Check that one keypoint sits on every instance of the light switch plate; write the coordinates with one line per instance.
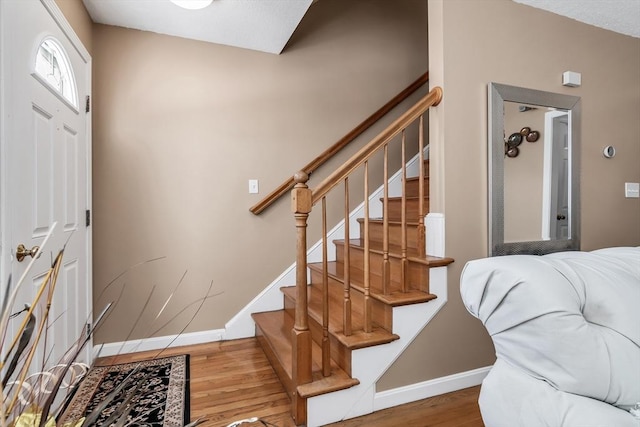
(632, 190)
(253, 186)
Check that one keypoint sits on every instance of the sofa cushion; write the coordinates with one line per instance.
(511, 398)
(571, 319)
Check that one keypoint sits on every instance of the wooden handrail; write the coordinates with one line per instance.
(431, 99)
(343, 142)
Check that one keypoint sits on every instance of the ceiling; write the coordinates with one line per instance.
(267, 25)
(263, 25)
(621, 16)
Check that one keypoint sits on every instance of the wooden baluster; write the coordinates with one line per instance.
(421, 213)
(367, 272)
(404, 266)
(326, 351)
(301, 335)
(386, 267)
(346, 319)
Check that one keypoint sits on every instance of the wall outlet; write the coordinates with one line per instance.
(632, 190)
(253, 186)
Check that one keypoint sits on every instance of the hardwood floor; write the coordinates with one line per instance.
(458, 409)
(232, 380)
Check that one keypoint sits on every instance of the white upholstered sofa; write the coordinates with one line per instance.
(566, 330)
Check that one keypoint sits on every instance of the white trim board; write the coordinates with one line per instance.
(157, 343)
(418, 391)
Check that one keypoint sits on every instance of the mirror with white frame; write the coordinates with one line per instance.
(534, 181)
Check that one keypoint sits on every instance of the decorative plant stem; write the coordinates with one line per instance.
(51, 281)
(25, 337)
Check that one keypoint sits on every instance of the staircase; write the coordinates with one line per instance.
(360, 298)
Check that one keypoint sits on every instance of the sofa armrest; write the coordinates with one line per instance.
(569, 319)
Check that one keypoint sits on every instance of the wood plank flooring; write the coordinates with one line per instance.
(232, 380)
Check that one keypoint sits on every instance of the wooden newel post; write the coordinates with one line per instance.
(301, 335)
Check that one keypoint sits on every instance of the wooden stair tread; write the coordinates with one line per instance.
(339, 380)
(391, 222)
(393, 299)
(276, 327)
(409, 198)
(416, 178)
(395, 252)
(358, 339)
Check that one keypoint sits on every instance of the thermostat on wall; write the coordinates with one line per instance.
(609, 151)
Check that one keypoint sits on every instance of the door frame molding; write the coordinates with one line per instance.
(5, 214)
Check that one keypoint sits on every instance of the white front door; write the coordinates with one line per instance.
(46, 164)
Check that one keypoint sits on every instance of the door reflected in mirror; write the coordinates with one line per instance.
(533, 182)
(555, 189)
(536, 175)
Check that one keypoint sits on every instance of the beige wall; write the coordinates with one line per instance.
(472, 43)
(179, 128)
(79, 19)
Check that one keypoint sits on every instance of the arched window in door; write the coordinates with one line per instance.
(54, 70)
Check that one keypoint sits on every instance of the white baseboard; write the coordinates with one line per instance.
(411, 393)
(157, 343)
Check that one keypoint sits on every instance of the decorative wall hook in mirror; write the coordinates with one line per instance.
(533, 198)
(512, 143)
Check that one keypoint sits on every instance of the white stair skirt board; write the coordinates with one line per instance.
(271, 298)
(369, 364)
(411, 393)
